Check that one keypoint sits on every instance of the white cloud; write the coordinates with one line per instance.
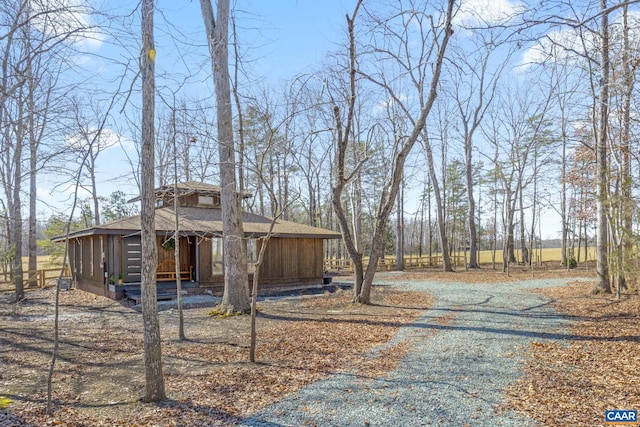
(105, 140)
(486, 12)
(44, 195)
(562, 45)
(388, 103)
(70, 189)
(569, 46)
(69, 20)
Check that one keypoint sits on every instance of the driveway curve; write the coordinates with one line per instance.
(464, 353)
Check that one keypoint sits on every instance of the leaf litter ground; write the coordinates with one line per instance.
(574, 383)
(99, 376)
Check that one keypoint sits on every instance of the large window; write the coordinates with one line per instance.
(217, 264)
(217, 261)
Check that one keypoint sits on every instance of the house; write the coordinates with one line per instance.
(106, 259)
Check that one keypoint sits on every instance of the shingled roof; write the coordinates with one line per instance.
(207, 222)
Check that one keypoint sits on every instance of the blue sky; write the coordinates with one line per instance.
(285, 38)
(297, 33)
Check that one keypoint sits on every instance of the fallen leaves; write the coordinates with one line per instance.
(568, 385)
(209, 381)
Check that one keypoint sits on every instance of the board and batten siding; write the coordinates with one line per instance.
(185, 252)
(204, 254)
(286, 261)
(291, 260)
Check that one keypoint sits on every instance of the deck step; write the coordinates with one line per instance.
(135, 295)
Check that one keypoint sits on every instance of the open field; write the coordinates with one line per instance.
(542, 255)
(547, 257)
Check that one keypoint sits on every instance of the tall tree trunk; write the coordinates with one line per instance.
(341, 179)
(32, 244)
(16, 226)
(534, 208)
(94, 189)
(235, 298)
(154, 380)
(473, 232)
(442, 230)
(602, 268)
(14, 203)
(32, 247)
(176, 235)
(524, 251)
(400, 229)
(626, 199)
(236, 97)
(563, 193)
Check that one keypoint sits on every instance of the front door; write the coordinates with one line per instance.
(132, 258)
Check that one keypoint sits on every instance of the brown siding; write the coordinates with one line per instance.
(98, 249)
(291, 260)
(192, 200)
(287, 261)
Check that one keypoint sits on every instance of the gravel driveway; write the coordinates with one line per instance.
(464, 353)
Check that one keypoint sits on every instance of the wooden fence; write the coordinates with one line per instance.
(42, 277)
(389, 263)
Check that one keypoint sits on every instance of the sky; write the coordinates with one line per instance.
(283, 37)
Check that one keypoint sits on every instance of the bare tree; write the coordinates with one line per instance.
(154, 380)
(602, 268)
(437, 186)
(90, 139)
(475, 79)
(235, 298)
(430, 54)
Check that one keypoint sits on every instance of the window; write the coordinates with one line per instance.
(217, 264)
(252, 254)
(217, 261)
(205, 200)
